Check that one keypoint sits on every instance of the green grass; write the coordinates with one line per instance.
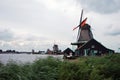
(86, 68)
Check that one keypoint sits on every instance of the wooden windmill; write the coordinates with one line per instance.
(84, 32)
(86, 44)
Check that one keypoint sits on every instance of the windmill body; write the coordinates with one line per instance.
(85, 33)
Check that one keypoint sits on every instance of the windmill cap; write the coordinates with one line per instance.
(86, 26)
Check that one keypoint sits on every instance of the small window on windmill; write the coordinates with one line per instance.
(93, 46)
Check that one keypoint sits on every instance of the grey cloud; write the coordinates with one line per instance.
(113, 33)
(6, 35)
(20, 11)
(101, 6)
(35, 38)
(9, 35)
(112, 30)
(30, 13)
(10, 40)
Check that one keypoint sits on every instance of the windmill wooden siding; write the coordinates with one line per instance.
(92, 48)
(85, 33)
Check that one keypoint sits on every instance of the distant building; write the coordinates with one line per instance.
(33, 51)
(49, 51)
(68, 53)
(56, 50)
(1, 51)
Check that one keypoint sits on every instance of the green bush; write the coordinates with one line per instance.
(86, 68)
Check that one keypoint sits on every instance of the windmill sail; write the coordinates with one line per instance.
(79, 26)
(83, 22)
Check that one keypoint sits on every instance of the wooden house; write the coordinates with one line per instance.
(68, 53)
(92, 48)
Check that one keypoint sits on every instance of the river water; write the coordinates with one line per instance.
(24, 58)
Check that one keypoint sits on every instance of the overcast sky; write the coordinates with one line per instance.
(38, 24)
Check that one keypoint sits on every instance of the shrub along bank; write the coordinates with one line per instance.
(85, 68)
